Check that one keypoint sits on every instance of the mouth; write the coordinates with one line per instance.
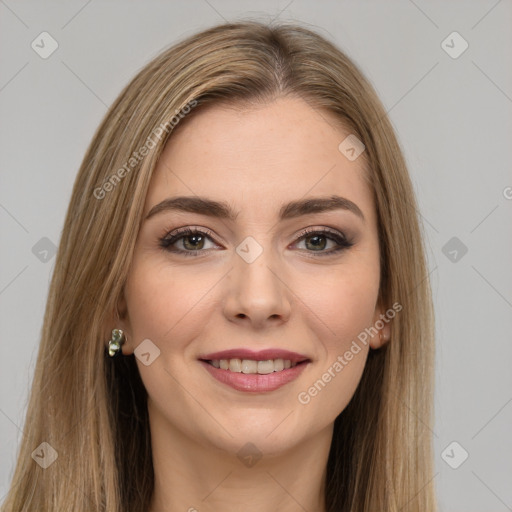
(263, 371)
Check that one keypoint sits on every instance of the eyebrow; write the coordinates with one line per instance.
(222, 210)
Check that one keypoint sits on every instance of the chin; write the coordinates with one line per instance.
(255, 443)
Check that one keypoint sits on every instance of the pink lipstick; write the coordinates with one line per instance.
(246, 370)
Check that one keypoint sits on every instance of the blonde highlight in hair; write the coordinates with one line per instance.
(92, 409)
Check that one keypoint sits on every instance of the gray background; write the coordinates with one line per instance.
(452, 116)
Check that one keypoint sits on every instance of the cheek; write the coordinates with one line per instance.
(340, 311)
(165, 304)
(341, 304)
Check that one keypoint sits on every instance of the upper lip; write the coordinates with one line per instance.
(262, 355)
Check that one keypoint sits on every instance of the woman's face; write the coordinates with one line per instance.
(253, 282)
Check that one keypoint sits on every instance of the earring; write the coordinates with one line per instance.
(114, 345)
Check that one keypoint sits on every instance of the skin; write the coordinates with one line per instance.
(290, 297)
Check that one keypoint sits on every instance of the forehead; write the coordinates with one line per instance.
(259, 158)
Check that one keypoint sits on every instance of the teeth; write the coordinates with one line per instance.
(278, 365)
(248, 366)
(251, 366)
(235, 365)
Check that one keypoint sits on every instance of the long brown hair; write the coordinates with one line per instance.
(84, 403)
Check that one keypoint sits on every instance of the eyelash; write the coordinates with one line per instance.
(169, 239)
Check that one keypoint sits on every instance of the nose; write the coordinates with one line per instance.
(257, 293)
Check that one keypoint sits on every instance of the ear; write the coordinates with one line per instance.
(121, 320)
(383, 325)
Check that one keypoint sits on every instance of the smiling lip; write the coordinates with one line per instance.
(262, 355)
(255, 382)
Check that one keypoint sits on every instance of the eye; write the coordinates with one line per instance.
(318, 241)
(193, 240)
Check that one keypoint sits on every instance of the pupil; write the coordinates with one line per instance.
(193, 237)
(316, 244)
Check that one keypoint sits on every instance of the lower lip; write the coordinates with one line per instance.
(254, 382)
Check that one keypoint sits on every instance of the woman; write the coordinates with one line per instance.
(288, 363)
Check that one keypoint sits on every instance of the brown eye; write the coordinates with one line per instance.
(192, 242)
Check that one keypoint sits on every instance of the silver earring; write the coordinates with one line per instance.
(114, 345)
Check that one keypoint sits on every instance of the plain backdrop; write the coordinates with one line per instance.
(451, 107)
